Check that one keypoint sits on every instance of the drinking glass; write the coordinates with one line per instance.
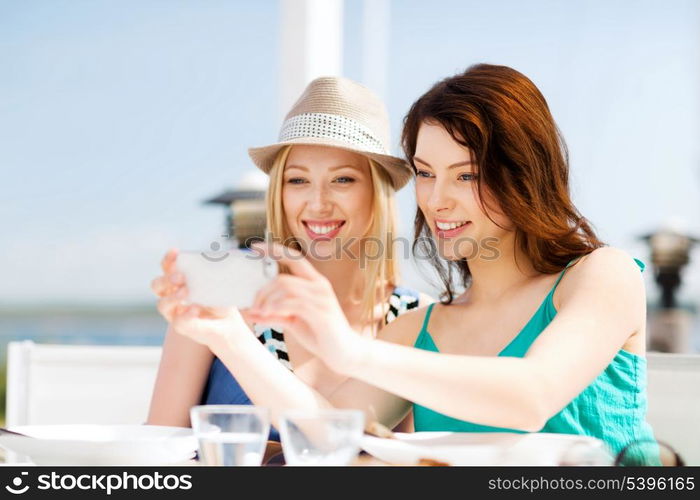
(321, 437)
(230, 434)
(649, 453)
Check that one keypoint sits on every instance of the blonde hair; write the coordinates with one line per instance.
(382, 266)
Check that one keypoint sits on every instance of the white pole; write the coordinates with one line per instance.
(311, 45)
(376, 24)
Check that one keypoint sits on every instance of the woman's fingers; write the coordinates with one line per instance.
(286, 323)
(190, 311)
(176, 278)
(180, 292)
(247, 315)
(183, 316)
(285, 284)
(166, 307)
(157, 286)
(168, 284)
(290, 257)
(194, 321)
(167, 264)
(171, 280)
(281, 306)
(216, 312)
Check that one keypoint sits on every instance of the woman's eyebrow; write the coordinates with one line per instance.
(338, 167)
(454, 165)
(289, 167)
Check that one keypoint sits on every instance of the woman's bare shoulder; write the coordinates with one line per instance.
(404, 329)
(606, 267)
(607, 260)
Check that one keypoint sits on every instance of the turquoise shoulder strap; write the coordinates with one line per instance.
(639, 263)
(426, 320)
(561, 275)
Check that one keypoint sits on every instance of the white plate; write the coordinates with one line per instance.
(486, 448)
(102, 444)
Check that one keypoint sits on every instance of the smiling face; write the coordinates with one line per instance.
(327, 195)
(447, 194)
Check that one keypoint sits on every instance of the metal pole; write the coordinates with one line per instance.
(311, 45)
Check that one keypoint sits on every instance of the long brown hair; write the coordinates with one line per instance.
(521, 157)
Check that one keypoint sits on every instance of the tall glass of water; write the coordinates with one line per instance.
(321, 437)
(230, 434)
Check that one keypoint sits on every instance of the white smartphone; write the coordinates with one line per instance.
(225, 278)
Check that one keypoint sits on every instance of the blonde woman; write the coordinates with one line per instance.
(331, 196)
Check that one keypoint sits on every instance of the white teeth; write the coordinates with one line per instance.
(446, 226)
(323, 229)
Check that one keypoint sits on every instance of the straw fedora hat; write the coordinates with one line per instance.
(338, 112)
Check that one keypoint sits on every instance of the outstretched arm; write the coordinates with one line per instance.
(269, 384)
(603, 306)
(196, 332)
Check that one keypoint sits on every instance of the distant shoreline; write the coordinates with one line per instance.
(82, 309)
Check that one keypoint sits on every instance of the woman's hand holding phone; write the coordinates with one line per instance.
(304, 304)
(210, 326)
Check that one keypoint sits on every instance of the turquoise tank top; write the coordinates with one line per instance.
(612, 408)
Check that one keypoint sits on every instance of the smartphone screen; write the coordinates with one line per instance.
(224, 279)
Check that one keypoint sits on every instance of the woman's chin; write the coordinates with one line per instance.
(320, 249)
(447, 250)
(450, 257)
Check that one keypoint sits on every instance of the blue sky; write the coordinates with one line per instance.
(117, 118)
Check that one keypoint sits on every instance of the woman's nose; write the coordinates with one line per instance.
(440, 198)
(320, 199)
